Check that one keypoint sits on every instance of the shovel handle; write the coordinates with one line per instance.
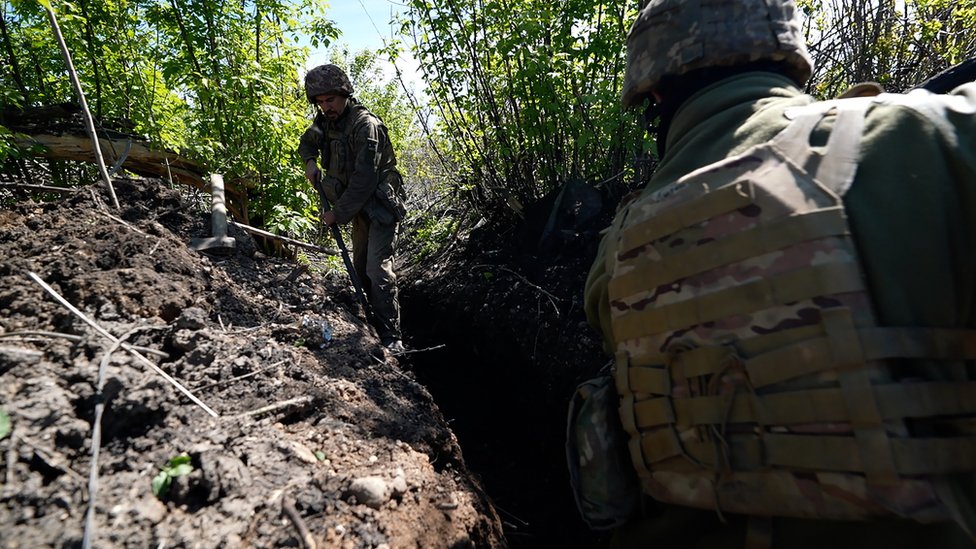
(343, 251)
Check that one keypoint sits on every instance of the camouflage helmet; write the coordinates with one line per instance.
(673, 37)
(326, 79)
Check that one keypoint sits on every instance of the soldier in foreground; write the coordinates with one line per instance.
(362, 184)
(790, 304)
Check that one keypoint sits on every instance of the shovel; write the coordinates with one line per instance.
(218, 243)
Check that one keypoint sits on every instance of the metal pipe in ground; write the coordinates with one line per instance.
(219, 242)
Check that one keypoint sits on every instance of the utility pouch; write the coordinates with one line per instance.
(332, 188)
(390, 194)
(605, 485)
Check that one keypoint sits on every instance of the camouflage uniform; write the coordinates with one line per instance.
(363, 185)
(908, 213)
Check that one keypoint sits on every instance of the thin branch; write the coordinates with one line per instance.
(413, 351)
(45, 188)
(75, 338)
(288, 509)
(299, 243)
(125, 346)
(552, 299)
(275, 407)
(96, 439)
(89, 123)
(238, 378)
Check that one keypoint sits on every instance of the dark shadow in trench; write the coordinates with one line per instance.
(511, 435)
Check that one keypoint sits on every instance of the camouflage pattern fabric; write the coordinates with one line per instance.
(364, 187)
(604, 483)
(908, 193)
(673, 37)
(326, 79)
(754, 253)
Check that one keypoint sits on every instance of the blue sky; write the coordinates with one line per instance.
(366, 24)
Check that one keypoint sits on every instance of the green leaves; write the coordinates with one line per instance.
(529, 91)
(4, 424)
(177, 466)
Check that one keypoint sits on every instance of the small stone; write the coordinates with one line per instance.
(399, 484)
(191, 318)
(370, 491)
(149, 509)
(302, 452)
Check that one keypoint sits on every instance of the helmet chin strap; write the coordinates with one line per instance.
(657, 125)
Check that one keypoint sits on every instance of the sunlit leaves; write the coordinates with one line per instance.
(529, 90)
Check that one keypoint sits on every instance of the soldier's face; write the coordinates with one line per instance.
(331, 105)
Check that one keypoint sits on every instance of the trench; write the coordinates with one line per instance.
(508, 418)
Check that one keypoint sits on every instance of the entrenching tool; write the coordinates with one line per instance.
(219, 242)
(337, 235)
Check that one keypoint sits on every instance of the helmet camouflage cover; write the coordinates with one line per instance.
(326, 79)
(673, 37)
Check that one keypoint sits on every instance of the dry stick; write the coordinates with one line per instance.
(299, 243)
(552, 299)
(238, 378)
(12, 459)
(89, 123)
(75, 338)
(123, 222)
(289, 509)
(276, 407)
(47, 188)
(412, 351)
(96, 440)
(125, 346)
(52, 460)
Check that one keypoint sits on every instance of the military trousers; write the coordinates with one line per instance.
(372, 244)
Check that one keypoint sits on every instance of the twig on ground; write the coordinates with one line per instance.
(96, 438)
(42, 333)
(12, 459)
(52, 460)
(299, 243)
(288, 508)
(552, 299)
(46, 188)
(125, 346)
(122, 222)
(412, 351)
(238, 378)
(278, 406)
(76, 338)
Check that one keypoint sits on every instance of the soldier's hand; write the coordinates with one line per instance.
(328, 218)
(312, 172)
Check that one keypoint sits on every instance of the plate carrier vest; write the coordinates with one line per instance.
(752, 374)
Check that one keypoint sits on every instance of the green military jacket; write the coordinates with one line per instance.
(359, 164)
(911, 211)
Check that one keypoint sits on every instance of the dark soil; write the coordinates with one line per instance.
(329, 436)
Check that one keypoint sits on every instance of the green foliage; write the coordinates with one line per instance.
(432, 232)
(216, 80)
(4, 424)
(529, 92)
(177, 466)
(897, 44)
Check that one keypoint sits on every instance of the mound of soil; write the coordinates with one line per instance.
(300, 430)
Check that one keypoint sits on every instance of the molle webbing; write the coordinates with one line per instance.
(748, 357)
